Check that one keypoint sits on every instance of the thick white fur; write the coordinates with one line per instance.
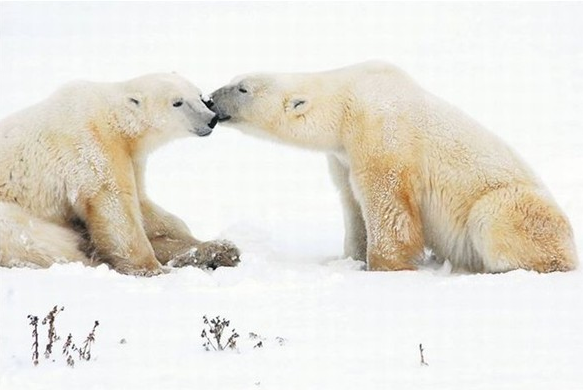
(72, 174)
(412, 170)
(28, 241)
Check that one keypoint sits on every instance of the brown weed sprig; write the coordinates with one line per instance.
(216, 327)
(69, 347)
(34, 324)
(423, 362)
(85, 350)
(52, 332)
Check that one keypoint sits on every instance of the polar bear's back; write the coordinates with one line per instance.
(42, 147)
(455, 142)
(63, 111)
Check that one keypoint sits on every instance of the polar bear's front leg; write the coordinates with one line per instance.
(167, 233)
(175, 246)
(394, 232)
(354, 227)
(114, 223)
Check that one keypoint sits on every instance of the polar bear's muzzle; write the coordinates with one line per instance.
(222, 115)
(203, 133)
(208, 103)
(221, 103)
(224, 118)
(202, 119)
(209, 127)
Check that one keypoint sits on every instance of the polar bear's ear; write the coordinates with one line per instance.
(132, 117)
(297, 105)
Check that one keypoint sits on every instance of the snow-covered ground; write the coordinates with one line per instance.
(517, 68)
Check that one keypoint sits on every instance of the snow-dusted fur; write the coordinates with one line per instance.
(413, 171)
(72, 176)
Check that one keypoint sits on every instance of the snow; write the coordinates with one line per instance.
(343, 328)
(516, 68)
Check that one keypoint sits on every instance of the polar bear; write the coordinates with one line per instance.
(72, 177)
(413, 171)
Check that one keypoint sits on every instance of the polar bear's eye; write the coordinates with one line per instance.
(298, 103)
(242, 90)
(177, 103)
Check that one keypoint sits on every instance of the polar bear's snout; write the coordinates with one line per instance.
(210, 125)
(221, 103)
(202, 120)
(208, 103)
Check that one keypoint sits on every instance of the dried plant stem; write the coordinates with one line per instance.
(216, 328)
(208, 341)
(67, 348)
(423, 362)
(34, 324)
(85, 350)
(232, 341)
(52, 332)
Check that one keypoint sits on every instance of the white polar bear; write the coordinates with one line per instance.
(413, 171)
(72, 177)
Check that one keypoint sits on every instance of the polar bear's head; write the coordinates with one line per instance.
(301, 109)
(165, 106)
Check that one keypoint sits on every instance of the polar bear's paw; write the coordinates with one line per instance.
(147, 273)
(147, 270)
(210, 254)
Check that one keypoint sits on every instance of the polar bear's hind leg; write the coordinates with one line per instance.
(515, 228)
(27, 241)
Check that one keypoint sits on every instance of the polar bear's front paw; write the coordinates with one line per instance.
(211, 254)
(147, 270)
(147, 273)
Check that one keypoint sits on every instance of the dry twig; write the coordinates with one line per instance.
(34, 324)
(423, 362)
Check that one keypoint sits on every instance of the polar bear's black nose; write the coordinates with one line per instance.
(208, 103)
(213, 122)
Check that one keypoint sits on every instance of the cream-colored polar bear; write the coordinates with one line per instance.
(72, 177)
(413, 171)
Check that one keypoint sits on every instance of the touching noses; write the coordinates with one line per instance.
(213, 121)
(209, 104)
